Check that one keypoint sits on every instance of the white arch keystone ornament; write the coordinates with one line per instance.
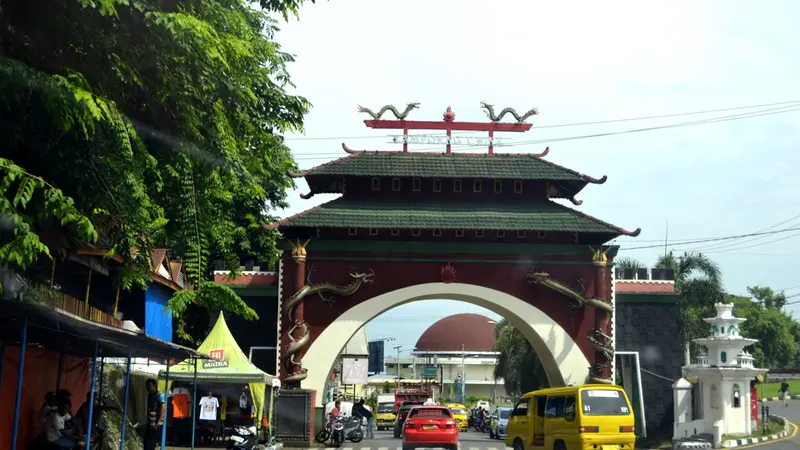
(563, 360)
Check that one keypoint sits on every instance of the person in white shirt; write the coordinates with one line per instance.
(208, 407)
(54, 428)
(49, 406)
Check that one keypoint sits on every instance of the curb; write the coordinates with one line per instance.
(775, 399)
(787, 430)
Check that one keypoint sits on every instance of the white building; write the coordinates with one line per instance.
(456, 345)
(719, 402)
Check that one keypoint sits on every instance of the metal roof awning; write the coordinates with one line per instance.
(57, 330)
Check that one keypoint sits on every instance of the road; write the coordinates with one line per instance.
(466, 441)
(792, 412)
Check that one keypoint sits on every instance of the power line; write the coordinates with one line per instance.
(714, 239)
(578, 124)
(761, 113)
(716, 247)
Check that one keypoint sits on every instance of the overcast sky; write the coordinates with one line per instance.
(582, 62)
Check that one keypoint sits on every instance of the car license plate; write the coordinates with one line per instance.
(429, 427)
(610, 447)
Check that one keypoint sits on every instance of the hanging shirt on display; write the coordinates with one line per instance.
(208, 408)
(180, 403)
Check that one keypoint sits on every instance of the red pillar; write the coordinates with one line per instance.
(602, 291)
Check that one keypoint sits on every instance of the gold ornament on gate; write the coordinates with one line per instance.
(299, 250)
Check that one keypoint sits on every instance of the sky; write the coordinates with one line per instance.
(582, 61)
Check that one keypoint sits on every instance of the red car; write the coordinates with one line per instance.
(430, 426)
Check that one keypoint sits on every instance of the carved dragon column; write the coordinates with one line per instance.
(602, 319)
(297, 330)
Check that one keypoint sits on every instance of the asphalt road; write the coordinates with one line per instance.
(792, 412)
(469, 440)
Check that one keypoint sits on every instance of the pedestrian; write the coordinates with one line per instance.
(364, 412)
(156, 413)
(784, 391)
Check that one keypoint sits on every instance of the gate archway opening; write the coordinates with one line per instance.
(562, 359)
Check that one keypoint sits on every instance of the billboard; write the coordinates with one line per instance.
(354, 371)
(376, 357)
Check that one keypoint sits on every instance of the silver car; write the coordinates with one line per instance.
(498, 427)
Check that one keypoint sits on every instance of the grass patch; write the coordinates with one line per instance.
(771, 389)
(773, 427)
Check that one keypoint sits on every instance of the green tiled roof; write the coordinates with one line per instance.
(454, 165)
(539, 216)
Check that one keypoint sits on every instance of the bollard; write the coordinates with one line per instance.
(763, 419)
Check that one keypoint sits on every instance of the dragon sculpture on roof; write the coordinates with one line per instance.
(498, 117)
(297, 344)
(390, 108)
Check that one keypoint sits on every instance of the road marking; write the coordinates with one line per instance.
(474, 448)
(383, 448)
(789, 436)
(365, 448)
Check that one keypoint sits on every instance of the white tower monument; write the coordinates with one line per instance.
(723, 381)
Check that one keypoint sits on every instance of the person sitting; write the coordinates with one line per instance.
(336, 412)
(55, 430)
(50, 405)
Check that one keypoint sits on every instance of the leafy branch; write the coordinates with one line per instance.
(20, 244)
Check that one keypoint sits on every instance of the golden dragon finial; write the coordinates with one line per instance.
(599, 256)
(299, 250)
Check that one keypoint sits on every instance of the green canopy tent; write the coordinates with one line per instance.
(228, 365)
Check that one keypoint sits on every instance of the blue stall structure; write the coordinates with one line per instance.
(28, 324)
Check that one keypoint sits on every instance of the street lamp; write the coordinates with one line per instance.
(397, 361)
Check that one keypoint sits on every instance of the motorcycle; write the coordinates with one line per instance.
(353, 431)
(243, 438)
(481, 425)
(334, 430)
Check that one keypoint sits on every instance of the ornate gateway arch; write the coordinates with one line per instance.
(480, 227)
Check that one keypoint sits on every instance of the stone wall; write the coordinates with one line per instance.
(648, 324)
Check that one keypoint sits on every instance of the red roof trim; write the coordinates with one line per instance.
(644, 287)
(623, 231)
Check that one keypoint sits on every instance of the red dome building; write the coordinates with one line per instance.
(447, 336)
(441, 346)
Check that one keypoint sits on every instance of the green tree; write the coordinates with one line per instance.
(626, 262)
(518, 364)
(777, 332)
(698, 282)
(767, 297)
(159, 124)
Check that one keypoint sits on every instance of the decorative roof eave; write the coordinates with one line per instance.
(275, 225)
(355, 153)
(619, 230)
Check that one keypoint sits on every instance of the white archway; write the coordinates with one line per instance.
(561, 357)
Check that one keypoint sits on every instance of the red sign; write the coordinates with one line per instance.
(219, 355)
(754, 404)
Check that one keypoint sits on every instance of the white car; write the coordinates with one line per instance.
(483, 404)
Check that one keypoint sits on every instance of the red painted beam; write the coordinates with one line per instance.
(455, 126)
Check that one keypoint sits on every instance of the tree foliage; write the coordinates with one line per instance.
(698, 282)
(166, 114)
(518, 364)
(777, 332)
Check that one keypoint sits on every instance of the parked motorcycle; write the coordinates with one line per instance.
(243, 438)
(333, 430)
(353, 431)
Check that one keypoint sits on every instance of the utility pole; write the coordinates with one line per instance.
(463, 376)
(397, 362)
